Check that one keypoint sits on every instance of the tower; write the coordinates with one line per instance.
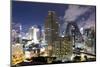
(51, 30)
(73, 31)
(33, 34)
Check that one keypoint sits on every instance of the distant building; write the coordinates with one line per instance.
(90, 40)
(33, 34)
(43, 41)
(16, 33)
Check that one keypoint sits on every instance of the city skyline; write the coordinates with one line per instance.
(32, 13)
(53, 33)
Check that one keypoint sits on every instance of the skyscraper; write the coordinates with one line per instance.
(63, 49)
(59, 47)
(73, 31)
(33, 34)
(51, 29)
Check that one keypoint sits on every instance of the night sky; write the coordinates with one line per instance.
(30, 13)
(33, 13)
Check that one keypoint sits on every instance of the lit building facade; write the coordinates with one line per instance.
(59, 47)
(51, 30)
(33, 34)
(63, 49)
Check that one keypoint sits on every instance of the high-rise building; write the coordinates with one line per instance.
(90, 38)
(51, 27)
(51, 30)
(33, 34)
(43, 35)
(63, 49)
(59, 47)
(73, 31)
(17, 33)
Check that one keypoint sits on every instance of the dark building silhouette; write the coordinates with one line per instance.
(73, 32)
(90, 40)
(72, 29)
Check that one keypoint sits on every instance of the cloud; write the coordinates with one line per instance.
(84, 16)
(74, 11)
